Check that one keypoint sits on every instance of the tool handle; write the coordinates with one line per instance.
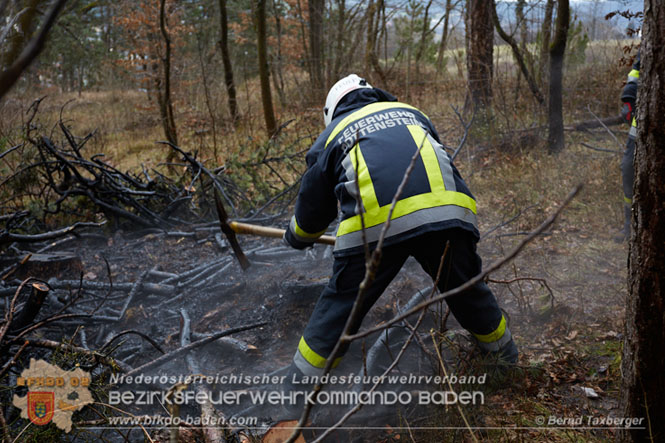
(265, 231)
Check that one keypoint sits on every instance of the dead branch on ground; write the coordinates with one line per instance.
(196, 344)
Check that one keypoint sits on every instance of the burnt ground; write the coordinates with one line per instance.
(563, 296)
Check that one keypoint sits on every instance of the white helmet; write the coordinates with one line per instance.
(338, 91)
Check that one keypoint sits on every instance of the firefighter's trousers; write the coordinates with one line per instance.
(476, 309)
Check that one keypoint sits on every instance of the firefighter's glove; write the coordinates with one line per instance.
(290, 240)
(627, 112)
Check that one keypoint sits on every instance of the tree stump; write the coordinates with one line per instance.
(44, 266)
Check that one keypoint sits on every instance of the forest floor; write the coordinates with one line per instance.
(564, 296)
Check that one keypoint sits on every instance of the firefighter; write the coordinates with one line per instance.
(628, 98)
(358, 162)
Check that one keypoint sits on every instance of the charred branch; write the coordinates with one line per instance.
(96, 356)
(196, 344)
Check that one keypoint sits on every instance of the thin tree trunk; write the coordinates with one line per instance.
(166, 104)
(423, 39)
(521, 24)
(480, 50)
(371, 59)
(643, 390)
(444, 39)
(208, 99)
(409, 47)
(555, 137)
(264, 71)
(303, 38)
(316, 9)
(226, 60)
(278, 79)
(371, 35)
(339, 44)
(546, 33)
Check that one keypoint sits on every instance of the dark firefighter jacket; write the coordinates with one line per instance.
(629, 96)
(360, 160)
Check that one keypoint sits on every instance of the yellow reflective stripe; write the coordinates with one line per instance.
(634, 123)
(634, 73)
(495, 335)
(375, 215)
(407, 206)
(428, 156)
(367, 193)
(364, 112)
(312, 357)
(300, 233)
(627, 200)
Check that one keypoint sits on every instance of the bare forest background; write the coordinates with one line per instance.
(126, 116)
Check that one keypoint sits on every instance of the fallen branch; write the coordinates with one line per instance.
(595, 123)
(13, 360)
(205, 170)
(44, 322)
(613, 151)
(211, 434)
(507, 222)
(8, 237)
(542, 281)
(606, 128)
(5, 429)
(153, 288)
(467, 128)
(98, 357)
(137, 285)
(131, 331)
(196, 344)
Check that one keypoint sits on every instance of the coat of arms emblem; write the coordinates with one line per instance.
(41, 406)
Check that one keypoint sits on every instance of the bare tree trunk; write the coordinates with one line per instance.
(546, 32)
(277, 77)
(480, 50)
(444, 39)
(424, 33)
(409, 47)
(371, 35)
(208, 99)
(555, 137)
(339, 44)
(226, 60)
(303, 37)
(316, 10)
(264, 72)
(371, 59)
(521, 24)
(165, 102)
(643, 391)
